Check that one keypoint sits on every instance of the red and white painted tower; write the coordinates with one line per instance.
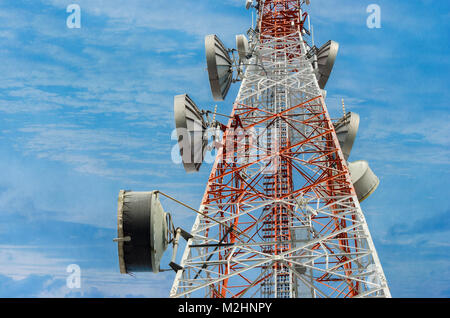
(289, 220)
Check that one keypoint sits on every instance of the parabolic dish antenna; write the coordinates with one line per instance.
(346, 130)
(219, 67)
(191, 131)
(142, 232)
(326, 57)
(242, 47)
(363, 178)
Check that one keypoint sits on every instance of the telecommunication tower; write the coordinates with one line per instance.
(281, 214)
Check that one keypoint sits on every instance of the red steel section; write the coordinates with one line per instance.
(279, 19)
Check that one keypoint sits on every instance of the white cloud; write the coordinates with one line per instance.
(88, 150)
(183, 16)
(20, 262)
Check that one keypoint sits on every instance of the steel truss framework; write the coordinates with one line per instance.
(298, 228)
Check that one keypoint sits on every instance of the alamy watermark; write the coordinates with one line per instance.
(73, 281)
(374, 18)
(74, 19)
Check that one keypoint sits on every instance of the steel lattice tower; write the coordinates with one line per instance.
(285, 187)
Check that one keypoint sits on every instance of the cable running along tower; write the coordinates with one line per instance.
(281, 214)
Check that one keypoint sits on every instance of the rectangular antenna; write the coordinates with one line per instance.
(253, 25)
(309, 23)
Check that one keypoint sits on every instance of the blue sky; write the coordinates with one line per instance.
(87, 112)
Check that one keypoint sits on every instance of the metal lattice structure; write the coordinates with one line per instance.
(284, 187)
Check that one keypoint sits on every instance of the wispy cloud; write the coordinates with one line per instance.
(27, 273)
(434, 223)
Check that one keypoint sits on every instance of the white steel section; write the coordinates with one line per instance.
(201, 265)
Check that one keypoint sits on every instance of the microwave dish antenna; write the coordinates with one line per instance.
(191, 132)
(346, 130)
(242, 46)
(364, 179)
(145, 231)
(326, 56)
(142, 232)
(220, 67)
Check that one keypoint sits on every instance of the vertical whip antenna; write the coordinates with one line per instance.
(214, 116)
